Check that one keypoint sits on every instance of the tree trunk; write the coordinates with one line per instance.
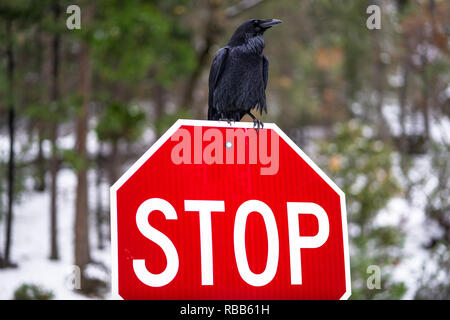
(54, 166)
(40, 183)
(99, 210)
(426, 97)
(188, 98)
(378, 83)
(402, 103)
(82, 253)
(11, 166)
(114, 162)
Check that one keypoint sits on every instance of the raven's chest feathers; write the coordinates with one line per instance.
(241, 86)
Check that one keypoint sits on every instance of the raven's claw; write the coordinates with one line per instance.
(258, 124)
(228, 120)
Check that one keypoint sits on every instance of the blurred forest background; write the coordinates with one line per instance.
(371, 107)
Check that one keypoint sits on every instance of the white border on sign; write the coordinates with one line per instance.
(208, 123)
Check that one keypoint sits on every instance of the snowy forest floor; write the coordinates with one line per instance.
(31, 243)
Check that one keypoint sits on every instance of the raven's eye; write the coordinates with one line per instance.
(255, 22)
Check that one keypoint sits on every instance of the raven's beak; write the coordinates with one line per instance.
(266, 24)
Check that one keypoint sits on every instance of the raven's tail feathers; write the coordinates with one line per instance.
(213, 114)
(261, 107)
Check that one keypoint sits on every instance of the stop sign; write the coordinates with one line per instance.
(213, 211)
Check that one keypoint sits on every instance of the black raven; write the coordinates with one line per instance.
(238, 76)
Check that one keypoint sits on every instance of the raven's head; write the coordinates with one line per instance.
(254, 28)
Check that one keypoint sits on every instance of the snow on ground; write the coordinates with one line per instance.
(31, 243)
(410, 219)
(410, 215)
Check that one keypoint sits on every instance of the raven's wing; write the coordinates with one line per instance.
(265, 74)
(265, 70)
(216, 71)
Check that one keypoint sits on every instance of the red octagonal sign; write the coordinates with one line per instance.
(213, 211)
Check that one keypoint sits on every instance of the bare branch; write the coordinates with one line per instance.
(240, 7)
